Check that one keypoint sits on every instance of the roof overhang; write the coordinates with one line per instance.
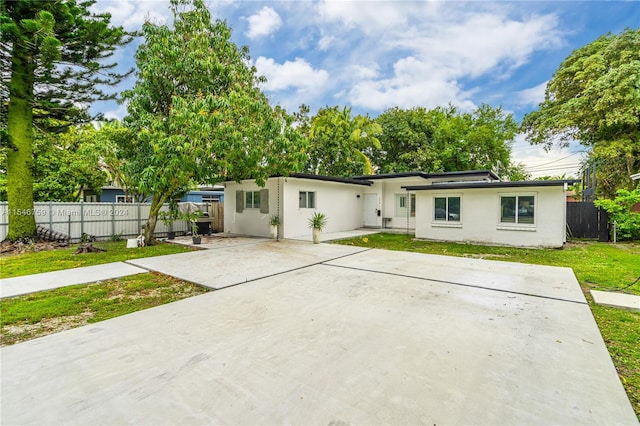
(479, 174)
(330, 179)
(485, 185)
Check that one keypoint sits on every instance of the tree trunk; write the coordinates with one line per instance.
(156, 205)
(22, 223)
(85, 248)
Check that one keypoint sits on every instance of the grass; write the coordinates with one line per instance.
(39, 314)
(600, 266)
(54, 260)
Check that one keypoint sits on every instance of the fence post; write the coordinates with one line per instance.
(603, 225)
(81, 218)
(113, 219)
(139, 219)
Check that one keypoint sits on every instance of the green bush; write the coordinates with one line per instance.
(619, 209)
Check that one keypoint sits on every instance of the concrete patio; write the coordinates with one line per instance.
(327, 334)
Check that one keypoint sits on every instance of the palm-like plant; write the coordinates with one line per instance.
(341, 140)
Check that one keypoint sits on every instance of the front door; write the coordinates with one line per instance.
(371, 210)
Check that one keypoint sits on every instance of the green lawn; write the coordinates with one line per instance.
(600, 266)
(35, 315)
(55, 260)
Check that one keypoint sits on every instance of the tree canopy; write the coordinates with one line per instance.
(594, 98)
(197, 113)
(340, 144)
(445, 140)
(53, 57)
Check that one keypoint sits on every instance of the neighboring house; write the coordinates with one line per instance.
(572, 197)
(472, 206)
(205, 194)
(114, 194)
(109, 194)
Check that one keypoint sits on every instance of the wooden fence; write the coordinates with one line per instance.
(216, 214)
(585, 220)
(102, 220)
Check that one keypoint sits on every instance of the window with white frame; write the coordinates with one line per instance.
(124, 199)
(252, 200)
(446, 208)
(517, 209)
(307, 200)
(210, 198)
(405, 205)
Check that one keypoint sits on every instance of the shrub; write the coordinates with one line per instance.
(619, 210)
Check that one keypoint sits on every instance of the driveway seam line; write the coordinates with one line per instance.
(284, 272)
(459, 284)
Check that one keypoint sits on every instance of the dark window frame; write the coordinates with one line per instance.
(448, 212)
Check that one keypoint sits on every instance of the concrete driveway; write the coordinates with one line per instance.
(327, 334)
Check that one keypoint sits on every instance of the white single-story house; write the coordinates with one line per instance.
(469, 206)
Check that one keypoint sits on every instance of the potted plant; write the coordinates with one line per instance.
(274, 222)
(316, 222)
(192, 217)
(168, 217)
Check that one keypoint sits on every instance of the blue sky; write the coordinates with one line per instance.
(373, 55)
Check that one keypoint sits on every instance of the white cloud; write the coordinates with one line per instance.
(414, 83)
(263, 23)
(482, 42)
(298, 74)
(359, 72)
(131, 14)
(325, 42)
(532, 96)
(366, 16)
(118, 112)
(441, 52)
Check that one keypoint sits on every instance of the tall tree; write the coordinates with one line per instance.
(53, 56)
(198, 114)
(594, 98)
(67, 163)
(404, 132)
(341, 144)
(445, 139)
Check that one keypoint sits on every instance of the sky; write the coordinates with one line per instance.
(374, 55)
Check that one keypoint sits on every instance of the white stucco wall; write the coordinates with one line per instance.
(250, 221)
(387, 190)
(341, 203)
(480, 217)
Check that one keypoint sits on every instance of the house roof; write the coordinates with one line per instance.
(331, 179)
(464, 185)
(438, 175)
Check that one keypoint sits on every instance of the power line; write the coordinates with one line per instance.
(555, 161)
(555, 166)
